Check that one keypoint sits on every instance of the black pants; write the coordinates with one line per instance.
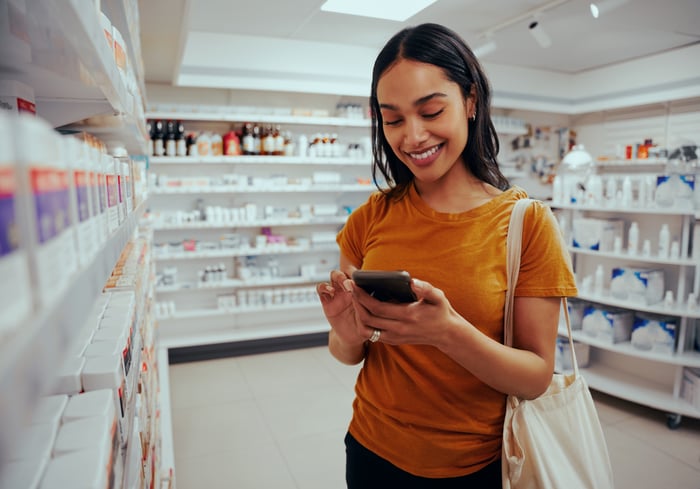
(365, 470)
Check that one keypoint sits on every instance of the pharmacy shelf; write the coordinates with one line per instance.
(636, 164)
(74, 75)
(661, 211)
(693, 262)
(257, 160)
(636, 389)
(605, 298)
(30, 357)
(239, 284)
(221, 312)
(199, 338)
(321, 220)
(236, 189)
(689, 359)
(232, 253)
(124, 16)
(259, 118)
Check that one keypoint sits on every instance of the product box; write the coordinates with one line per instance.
(690, 388)
(576, 308)
(607, 324)
(562, 355)
(654, 333)
(675, 190)
(643, 285)
(17, 97)
(596, 234)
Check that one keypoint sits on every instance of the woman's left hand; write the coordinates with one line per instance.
(425, 321)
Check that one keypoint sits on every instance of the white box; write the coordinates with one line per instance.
(654, 333)
(690, 390)
(562, 357)
(17, 97)
(643, 285)
(596, 234)
(576, 308)
(607, 324)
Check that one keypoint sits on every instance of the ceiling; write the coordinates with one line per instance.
(206, 34)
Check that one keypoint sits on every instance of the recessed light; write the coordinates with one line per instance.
(398, 10)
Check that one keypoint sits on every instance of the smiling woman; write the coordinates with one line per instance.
(431, 393)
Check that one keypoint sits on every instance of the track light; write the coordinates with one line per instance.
(598, 8)
(487, 47)
(539, 34)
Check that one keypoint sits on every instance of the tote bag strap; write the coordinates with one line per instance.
(513, 252)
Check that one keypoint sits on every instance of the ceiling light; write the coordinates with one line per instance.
(539, 34)
(398, 10)
(598, 8)
(485, 48)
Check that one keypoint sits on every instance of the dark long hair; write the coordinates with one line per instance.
(439, 46)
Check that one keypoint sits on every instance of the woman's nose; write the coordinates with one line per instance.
(415, 131)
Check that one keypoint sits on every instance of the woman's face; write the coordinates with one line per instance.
(424, 118)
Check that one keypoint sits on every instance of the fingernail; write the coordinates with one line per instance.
(347, 285)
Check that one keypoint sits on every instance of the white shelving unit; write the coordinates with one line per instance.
(621, 369)
(64, 58)
(199, 317)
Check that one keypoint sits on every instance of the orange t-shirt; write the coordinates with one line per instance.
(415, 406)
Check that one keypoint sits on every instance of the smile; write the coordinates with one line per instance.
(427, 153)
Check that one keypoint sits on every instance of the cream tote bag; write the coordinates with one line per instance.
(555, 441)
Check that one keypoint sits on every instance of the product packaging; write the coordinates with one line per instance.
(44, 187)
(15, 295)
(608, 324)
(597, 234)
(654, 333)
(675, 190)
(642, 285)
(690, 388)
(562, 357)
(17, 97)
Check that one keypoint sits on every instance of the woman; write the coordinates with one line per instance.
(430, 397)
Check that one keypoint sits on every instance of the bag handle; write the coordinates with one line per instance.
(513, 253)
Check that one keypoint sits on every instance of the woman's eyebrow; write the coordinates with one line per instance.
(418, 102)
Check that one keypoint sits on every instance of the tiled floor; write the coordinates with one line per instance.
(277, 421)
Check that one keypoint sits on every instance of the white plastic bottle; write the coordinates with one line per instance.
(664, 241)
(633, 239)
(626, 192)
(598, 280)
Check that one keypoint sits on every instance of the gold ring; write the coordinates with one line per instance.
(375, 335)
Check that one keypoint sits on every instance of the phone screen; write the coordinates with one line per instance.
(388, 286)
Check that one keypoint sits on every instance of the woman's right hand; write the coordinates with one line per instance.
(338, 308)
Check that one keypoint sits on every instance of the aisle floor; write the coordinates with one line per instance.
(277, 421)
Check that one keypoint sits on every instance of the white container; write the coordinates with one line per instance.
(44, 185)
(80, 202)
(68, 377)
(654, 333)
(86, 469)
(642, 285)
(596, 234)
(633, 239)
(17, 97)
(607, 324)
(562, 356)
(664, 241)
(15, 295)
(112, 189)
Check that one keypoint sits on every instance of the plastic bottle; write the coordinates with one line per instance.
(664, 241)
(633, 239)
(598, 280)
(626, 192)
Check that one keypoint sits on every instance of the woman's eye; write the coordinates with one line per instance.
(392, 123)
(433, 115)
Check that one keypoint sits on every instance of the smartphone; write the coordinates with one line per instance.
(388, 286)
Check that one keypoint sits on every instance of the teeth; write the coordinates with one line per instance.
(425, 154)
